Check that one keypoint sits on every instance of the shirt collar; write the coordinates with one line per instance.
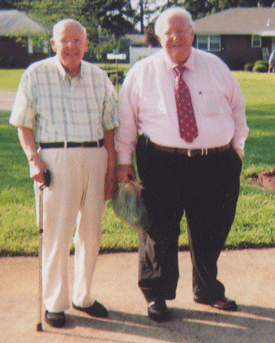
(62, 72)
(189, 64)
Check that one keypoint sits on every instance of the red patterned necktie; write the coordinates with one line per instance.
(186, 116)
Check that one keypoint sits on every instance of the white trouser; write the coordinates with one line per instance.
(74, 202)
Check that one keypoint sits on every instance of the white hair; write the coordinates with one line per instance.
(169, 13)
(60, 24)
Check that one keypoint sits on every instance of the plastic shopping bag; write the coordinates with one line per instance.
(129, 206)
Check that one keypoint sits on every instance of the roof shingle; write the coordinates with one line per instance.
(14, 22)
(250, 20)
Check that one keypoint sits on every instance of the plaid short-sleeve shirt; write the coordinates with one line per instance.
(60, 108)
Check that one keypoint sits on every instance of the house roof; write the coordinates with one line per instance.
(14, 23)
(135, 39)
(250, 20)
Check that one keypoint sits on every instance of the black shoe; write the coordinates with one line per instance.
(224, 303)
(158, 311)
(55, 319)
(96, 310)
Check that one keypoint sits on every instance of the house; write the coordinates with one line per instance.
(138, 48)
(18, 39)
(237, 35)
(135, 39)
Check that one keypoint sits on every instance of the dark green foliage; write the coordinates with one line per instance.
(236, 64)
(12, 62)
(111, 16)
(260, 68)
(261, 63)
(248, 66)
(2, 62)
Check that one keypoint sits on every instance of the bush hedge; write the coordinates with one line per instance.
(260, 62)
(248, 66)
(236, 64)
(260, 68)
(112, 76)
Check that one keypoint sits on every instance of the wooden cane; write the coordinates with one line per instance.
(47, 177)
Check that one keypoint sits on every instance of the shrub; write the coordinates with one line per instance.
(260, 62)
(120, 75)
(2, 62)
(110, 72)
(260, 68)
(248, 66)
(140, 57)
(236, 64)
(12, 62)
(113, 78)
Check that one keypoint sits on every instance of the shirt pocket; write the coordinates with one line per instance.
(210, 103)
(215, 103)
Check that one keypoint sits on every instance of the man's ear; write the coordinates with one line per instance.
(86, 45)
(193, 35)
(52, 41)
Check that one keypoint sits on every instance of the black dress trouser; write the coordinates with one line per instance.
(206, 189)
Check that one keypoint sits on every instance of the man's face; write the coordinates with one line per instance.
(70, 45)
(176, 38)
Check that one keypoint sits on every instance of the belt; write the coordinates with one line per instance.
(97, 144)
(192, 152)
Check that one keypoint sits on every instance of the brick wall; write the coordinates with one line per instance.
(239, 47)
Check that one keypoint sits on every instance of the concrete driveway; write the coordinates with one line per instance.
(248, 275)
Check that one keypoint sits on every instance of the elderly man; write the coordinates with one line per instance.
(184, 113)
(68, 106)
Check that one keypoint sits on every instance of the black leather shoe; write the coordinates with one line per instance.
(55, 319)
(158, 311)
(96, 310)
(224, 303)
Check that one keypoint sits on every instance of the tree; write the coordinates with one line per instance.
(201, 8)
(198, 8)
(150, 37)
(144, 11)
(6, 5)
(111, 15)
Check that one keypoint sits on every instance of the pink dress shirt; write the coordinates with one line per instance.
(147, 104)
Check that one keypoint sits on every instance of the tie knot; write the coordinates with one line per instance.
(179, 70)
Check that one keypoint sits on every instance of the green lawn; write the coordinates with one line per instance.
(9, 79)
(254, 225)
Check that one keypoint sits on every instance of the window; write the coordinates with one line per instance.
(256, 42)
(202, 42)
(209, 43)
(215, 43)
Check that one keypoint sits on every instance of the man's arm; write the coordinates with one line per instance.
(127, 132)
(36, 165)
(239, 117)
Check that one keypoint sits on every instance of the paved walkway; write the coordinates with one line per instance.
(248, 275)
